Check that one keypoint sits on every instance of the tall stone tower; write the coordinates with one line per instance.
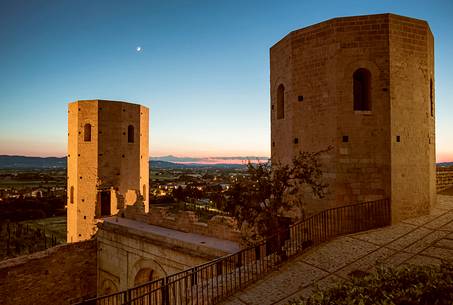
(107, 162)
(365, 86)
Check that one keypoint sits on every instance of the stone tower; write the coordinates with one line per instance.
(365, 86)
(107, 162)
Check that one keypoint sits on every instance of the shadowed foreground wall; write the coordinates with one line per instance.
(53, 276)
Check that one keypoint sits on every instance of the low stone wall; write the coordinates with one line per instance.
(53, 276)
(444, 178)
(222, 227)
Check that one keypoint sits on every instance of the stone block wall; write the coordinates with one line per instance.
(383, 150)
(112, 160)
(444, 178)
(54, 276)
(222, 227)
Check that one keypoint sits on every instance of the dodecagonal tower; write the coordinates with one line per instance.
(107, 162)
(365, 86)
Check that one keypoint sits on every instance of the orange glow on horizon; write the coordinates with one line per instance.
(444, 157)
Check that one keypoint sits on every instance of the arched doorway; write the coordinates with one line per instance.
(144, 275)
(145, 270)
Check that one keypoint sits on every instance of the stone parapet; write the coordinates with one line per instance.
(444, 178)
(53, 276)
(222, 227)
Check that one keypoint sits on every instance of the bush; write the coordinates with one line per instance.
(409, 285)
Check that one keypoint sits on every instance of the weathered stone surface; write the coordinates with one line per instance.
(114, 160)
(444, 178)
(387, 151)
(127, 248)
(53, 276)
(222, 227)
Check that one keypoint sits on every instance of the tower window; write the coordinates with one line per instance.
(71, 195)
(280, 102)
(345, 139)
(130, 134)
(87, 133)
(431, 95)
(362, 89)
(296, 140)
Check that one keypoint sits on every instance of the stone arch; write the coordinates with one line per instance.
(143, 270)
(87, 132)
(108, 287)
(375, 75)
(274, 86)
(144, 275)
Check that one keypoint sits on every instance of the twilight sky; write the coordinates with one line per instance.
(202, 67)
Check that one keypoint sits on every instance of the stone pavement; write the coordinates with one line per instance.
(422, 240)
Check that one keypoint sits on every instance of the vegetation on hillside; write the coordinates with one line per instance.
(409, 285)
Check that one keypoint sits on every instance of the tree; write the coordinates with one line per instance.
(260, 199)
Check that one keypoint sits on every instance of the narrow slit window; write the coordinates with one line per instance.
(431, 96)
(280, 102)
(87, 133)
(130, 134)
(362, 89)
(71, 195)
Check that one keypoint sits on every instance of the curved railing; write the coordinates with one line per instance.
(213, 281)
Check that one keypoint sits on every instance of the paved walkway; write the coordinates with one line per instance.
(423, 240)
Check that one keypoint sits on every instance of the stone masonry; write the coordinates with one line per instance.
(107, 162)
(364, 86)
(132, 252)
(422, 240)
(444, 178)
(53, 276)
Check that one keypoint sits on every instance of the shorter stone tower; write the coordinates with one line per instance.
(107, 162)
(363, 85)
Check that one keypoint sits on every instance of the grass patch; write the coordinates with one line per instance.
(55, 226)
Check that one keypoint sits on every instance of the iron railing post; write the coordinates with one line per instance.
(165, 295)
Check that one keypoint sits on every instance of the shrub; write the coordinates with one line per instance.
(408, 285)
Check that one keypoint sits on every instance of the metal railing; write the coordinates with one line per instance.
(213, 281)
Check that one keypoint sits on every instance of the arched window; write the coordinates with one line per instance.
(71, 195)
(130, 134)
(362, 89)
(280, 102)
(87, 133)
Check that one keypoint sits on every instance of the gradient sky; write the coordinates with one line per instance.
(203, 69)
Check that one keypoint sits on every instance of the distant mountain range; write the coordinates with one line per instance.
(17, 162)
(166, 162)
(210, 160)
(22, 162)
